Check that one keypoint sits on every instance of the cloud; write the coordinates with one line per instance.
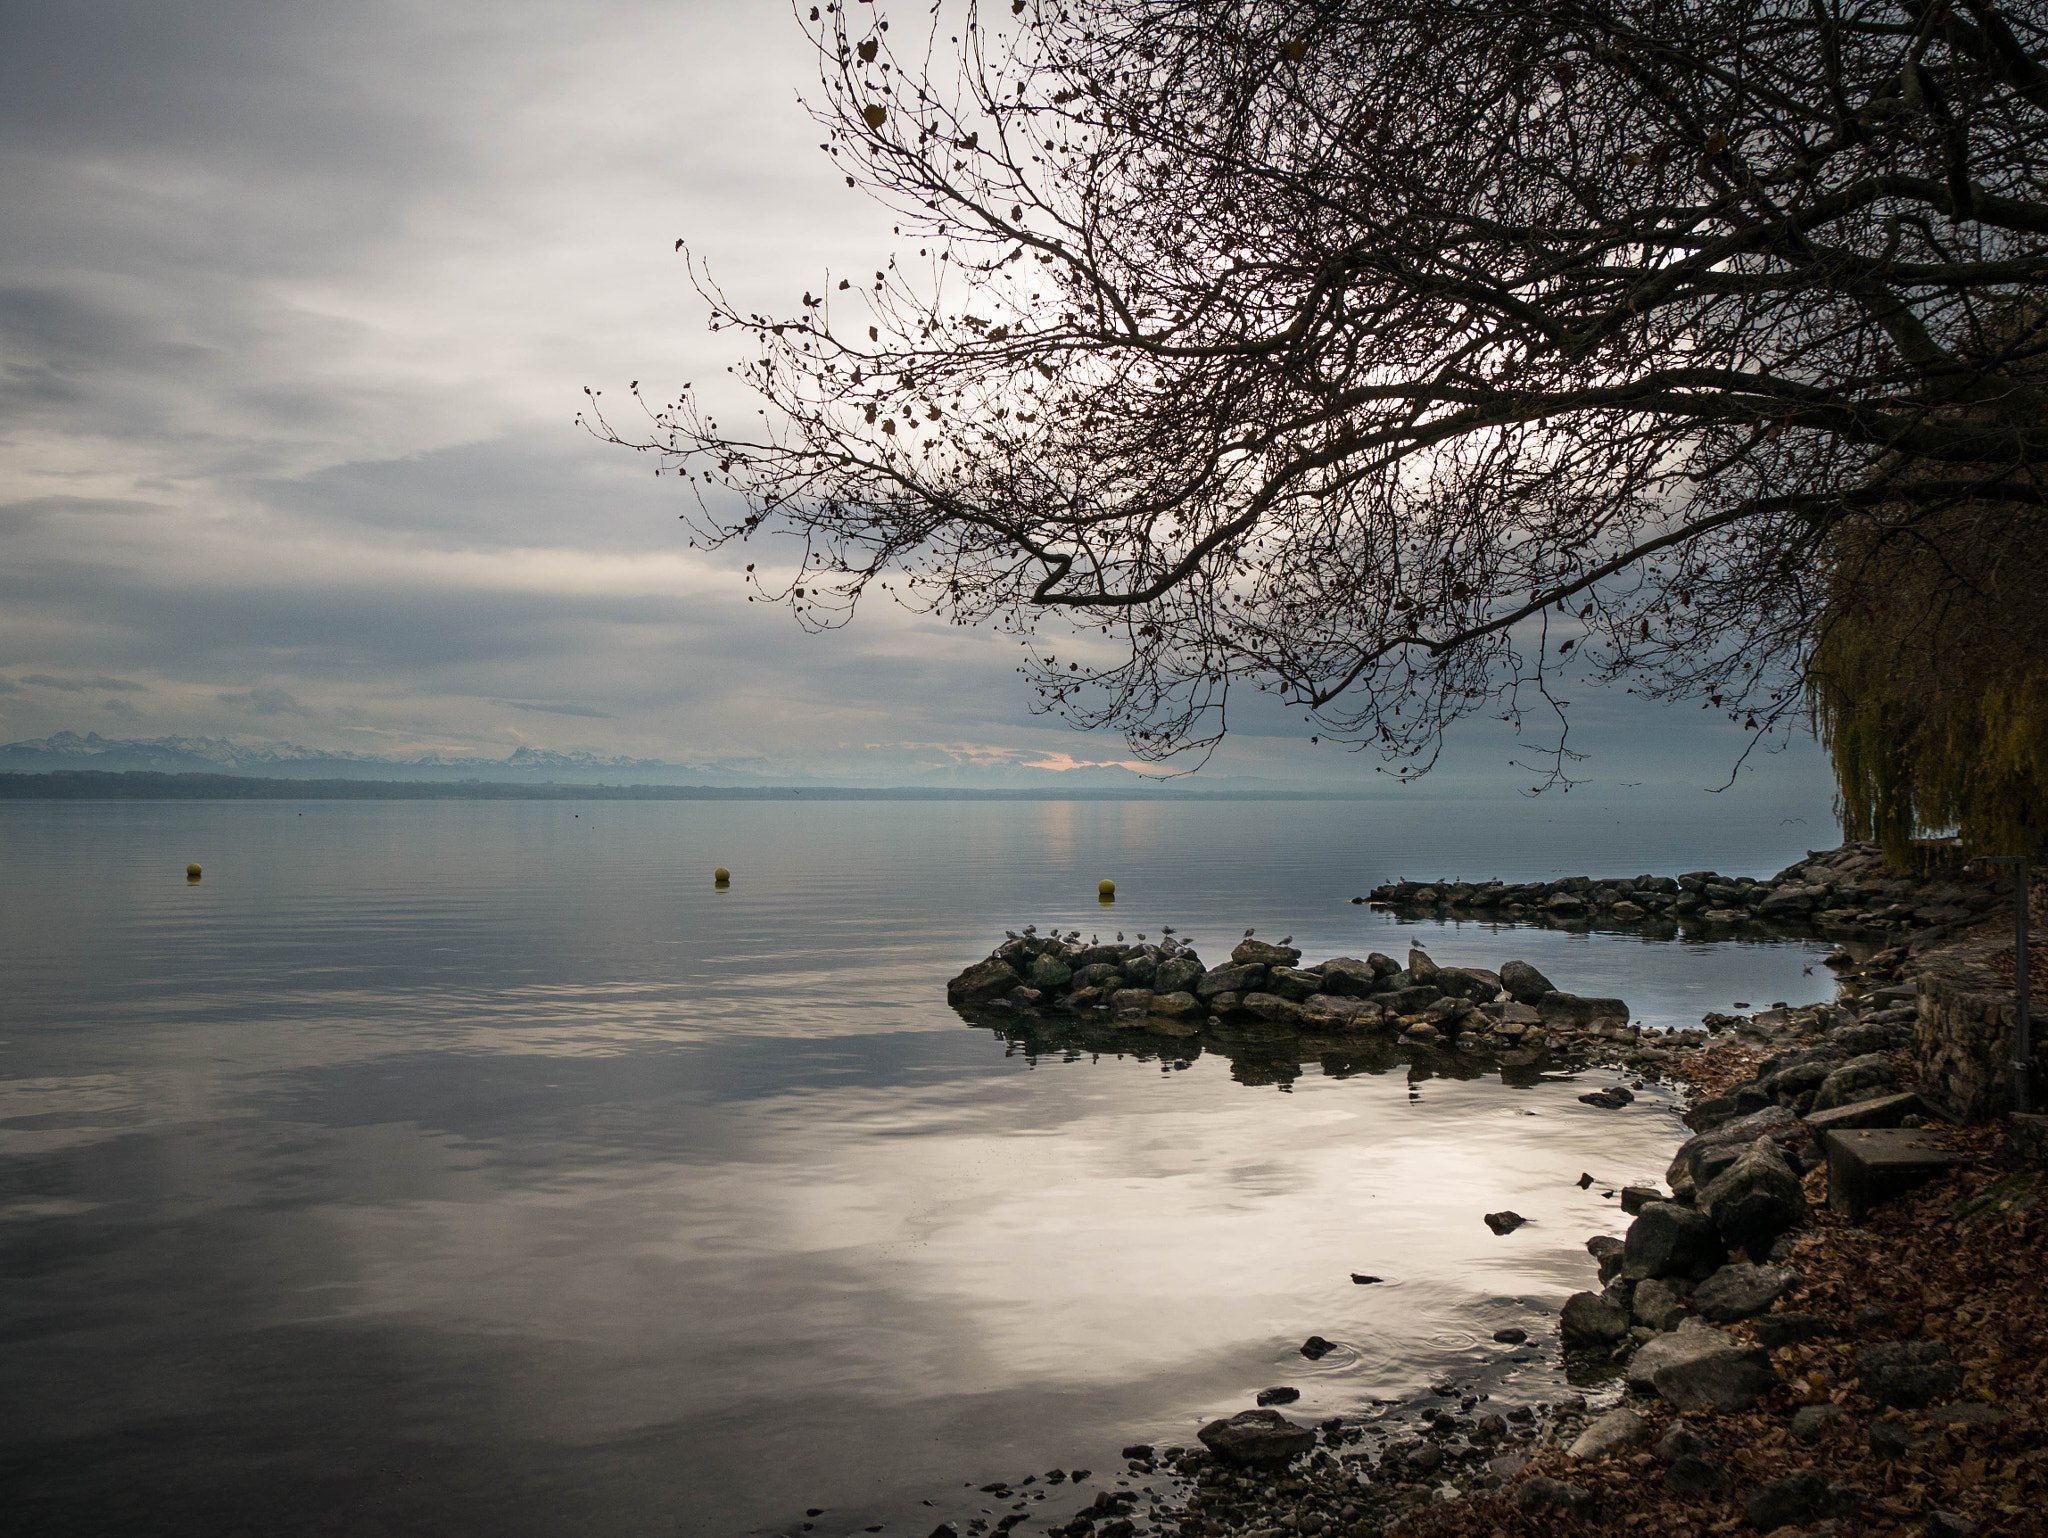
(561, 710)
(84, 685)
(265, 702)
(122, 709)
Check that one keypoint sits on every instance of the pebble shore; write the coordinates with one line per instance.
(1744, 1381)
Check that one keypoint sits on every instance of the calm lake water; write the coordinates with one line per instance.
(443, 1167)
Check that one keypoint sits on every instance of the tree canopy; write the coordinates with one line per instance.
(1397, 358)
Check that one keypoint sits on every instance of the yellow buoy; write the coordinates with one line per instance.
(1106, 890)
(721, 875)
(191, 873)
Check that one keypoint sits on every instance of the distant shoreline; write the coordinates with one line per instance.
(153, 785)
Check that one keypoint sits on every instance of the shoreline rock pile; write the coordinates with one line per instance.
(1141, 984)
(1846, 889)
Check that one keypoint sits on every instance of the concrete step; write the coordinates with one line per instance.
(1869, 1167)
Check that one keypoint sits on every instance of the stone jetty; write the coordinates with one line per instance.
(1419, 1001)
(1846, 889)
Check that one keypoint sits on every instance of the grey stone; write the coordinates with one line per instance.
(1504, 1222)
(1049, 973)
(1742, 1291)
(1949, 1524)
(1657, 1305)
(1774, 1331)
(1507, 1466)
(1569, 1009)
(1810, 1422)
(1683, 1440)
(1420, 967)
(1232, 979)
(1177, 975)
(1694, 1478)
(1257, 1437)
(1258, 953)
(1175, 1006)
(1968, 1412)
(1348, 977)
(1889, 1440)
(1755, 1199)
(985, 980)
(1861, 1078)
(1412, 1000)
(1669, 1240)
(1474, 983)
(1589, 1320)
(1793, 1500)
(1693, 1341)
(1293, 984)
(1727, 1381)
(1270, 1006)
(1908, 1374)
(1100, 975)
(1545, 1494)
(1524, 984)
(1610, 1433)
(1340, 1014)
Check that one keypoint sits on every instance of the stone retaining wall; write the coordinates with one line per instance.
(1963, 1032)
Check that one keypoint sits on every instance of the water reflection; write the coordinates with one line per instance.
(443, 1168)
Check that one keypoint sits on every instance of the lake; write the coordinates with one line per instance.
(451, 1167)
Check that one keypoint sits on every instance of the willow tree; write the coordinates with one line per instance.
(1392, 356)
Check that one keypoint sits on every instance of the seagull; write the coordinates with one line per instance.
(1247, 934)
(1011, 933)
(1031, 929)
(1141, 939)
(1095, 939)
(1119, 935)
(1287, 939)
(1167, 929)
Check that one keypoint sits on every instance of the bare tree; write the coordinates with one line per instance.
(1397, 356)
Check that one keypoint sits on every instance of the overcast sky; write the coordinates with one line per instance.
(297, 302)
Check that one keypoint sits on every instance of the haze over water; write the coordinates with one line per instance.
(460, 1167)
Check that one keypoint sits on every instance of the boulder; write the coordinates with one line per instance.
(1524, 984)
(1754, 1200)
(1728, 1380)
(1811, 1421)
(1382, 964)
(1347, 976)
(1412, 1000)
(1657, 1306)
(1177, 974)
(1322, 1010)
(1546, 1494)
(1100, 974)
(985, 980)
(1669, 1240)
(1232, 979)
(1569, 1009)
(1257, 953)
(1175, 1006)
(1742, 1291)
(1589, 1321)
(1049, 974)
(1683, 1440)
(1692, 1477)
(1774, 1331)
(1908, 1374)
(1611, 1433)
(1270, 1006)
(1257, 1437)
(1420, 967)
(1792, 1501)
(1131, 1001)
(1474, 983)
(1861, 1078)
(1294, 984)
(1691, 1342)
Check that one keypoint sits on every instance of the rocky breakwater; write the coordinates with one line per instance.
(1145, 984)
(1846, 889)
(1712, 1251)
